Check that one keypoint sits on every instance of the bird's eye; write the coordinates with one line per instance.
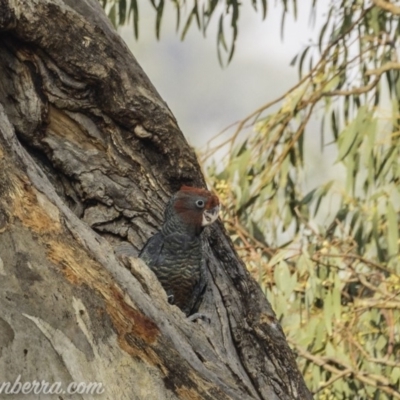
(200, 203)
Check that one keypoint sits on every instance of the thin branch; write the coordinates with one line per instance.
(333, 379)
(357, 257)
(384, 68)
(363, 304)
(364, 89)
(384, 362)
(357, 91)
(387, 6)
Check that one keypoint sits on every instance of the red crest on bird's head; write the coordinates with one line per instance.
(212, 201)
(196, 207)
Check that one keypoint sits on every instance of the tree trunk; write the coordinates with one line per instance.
(89, 155)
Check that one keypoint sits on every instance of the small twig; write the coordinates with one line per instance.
(381, 304)
(333, 379)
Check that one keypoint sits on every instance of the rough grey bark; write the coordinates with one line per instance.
(89, 155)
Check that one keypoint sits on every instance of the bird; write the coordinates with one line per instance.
(175, 253)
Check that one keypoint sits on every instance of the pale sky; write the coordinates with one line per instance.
(206, 98)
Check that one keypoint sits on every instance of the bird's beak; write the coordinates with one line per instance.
(209, 216)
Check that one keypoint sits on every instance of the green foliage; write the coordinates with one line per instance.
(327, 256)
(190, 12)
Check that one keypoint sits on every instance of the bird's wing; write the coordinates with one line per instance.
(151, 251)
(160, 246)
(200, 288)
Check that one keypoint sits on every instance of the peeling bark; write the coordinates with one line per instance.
(89, 155)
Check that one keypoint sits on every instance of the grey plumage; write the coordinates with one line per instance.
(175, 253)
